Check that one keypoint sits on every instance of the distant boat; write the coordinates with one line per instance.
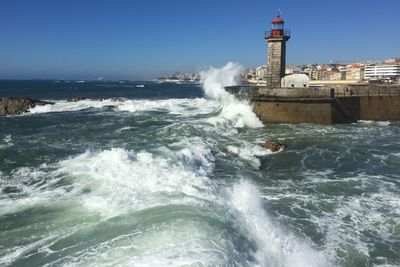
(140, 85)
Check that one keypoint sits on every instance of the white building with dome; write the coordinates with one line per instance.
(295, 81)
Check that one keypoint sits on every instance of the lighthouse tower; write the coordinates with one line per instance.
(277, 38)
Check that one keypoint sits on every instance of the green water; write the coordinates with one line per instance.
(166, 179)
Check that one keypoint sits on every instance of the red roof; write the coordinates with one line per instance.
(277, 20)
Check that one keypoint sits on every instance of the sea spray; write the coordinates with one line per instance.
(249, 153)
(275, 247)
(214, 81)
(122, 180)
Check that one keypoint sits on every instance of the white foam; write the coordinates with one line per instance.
(214, 81)
(345, 219)
(12, 254)
(124, 180)
(179, 106)
(250, 153)
(6, 142)
(184, 107)
(396, 154)
(275, 246)
(65, 106)
(125, 128)
(33, 191)
(379, 123)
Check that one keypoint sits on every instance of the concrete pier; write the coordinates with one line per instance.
(336, 104)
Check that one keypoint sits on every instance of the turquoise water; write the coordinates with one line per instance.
(173, 176)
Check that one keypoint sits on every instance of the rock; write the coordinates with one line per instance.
(273, 145)
(16, 106)
(76, 98)
(110, 107)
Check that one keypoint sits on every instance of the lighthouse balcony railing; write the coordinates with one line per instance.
(277, 33)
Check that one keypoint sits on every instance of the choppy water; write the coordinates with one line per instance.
(171, 177)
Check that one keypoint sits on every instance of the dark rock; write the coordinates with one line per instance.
(16, 106)
(273, 145)
(76, 98)
(109, 107)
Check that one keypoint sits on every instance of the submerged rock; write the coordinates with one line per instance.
(110, 107)
(16, 106)
(273, 145)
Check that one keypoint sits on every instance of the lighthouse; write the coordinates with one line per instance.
(276, 38)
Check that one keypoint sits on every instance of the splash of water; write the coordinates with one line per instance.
(214, 81)
(275, 246)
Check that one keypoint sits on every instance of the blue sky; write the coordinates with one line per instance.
(142, 39)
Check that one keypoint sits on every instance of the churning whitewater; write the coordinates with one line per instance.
(156, 181)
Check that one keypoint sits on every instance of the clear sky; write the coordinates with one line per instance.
(139, 39)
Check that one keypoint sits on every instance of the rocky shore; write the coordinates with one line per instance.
(17, 106)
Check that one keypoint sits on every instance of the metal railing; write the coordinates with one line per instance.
(273, 33)
(357, 92)
(256, 92)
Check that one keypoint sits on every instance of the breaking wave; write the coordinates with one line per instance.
(173, 106)
(214, 81)
(189, 218)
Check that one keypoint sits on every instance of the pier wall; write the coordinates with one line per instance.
(341, 104)
(271, 110)
(380, 108)
(321, 111)
(345, 109)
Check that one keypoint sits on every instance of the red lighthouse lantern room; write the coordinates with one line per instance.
(277, 27)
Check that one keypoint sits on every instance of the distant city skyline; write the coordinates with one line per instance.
(148, 39)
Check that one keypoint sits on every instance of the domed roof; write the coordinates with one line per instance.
(295, 80)
(277, 20)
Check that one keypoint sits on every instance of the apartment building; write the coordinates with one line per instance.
(382, 71)
(355, 72)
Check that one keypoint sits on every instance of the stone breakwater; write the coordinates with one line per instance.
(326, 105)
(17, 106)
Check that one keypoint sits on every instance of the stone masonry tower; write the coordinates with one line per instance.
(277, 38)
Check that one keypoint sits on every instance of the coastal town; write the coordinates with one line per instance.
(179, 78)
(386, 71)
(371, 71)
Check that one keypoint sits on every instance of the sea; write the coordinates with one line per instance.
(174, 175)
